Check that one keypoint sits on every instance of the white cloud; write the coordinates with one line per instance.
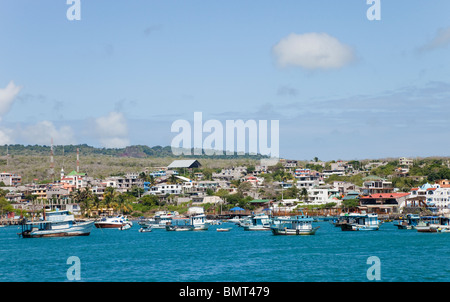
(5, 136)
(312, 51)
(112, 130)
(42, 133)
(7, 97)
(441, 39)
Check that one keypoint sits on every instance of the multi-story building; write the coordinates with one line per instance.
(321, 195)
(374, 184)
(10, 179)
(307, 178)
(403, 161)
(231, 173)
(163, 189)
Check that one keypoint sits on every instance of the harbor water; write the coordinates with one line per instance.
(331, 255)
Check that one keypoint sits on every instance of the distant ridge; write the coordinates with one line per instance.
(135, 151)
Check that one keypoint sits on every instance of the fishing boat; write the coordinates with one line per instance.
(295, 225)
(340, 220)
(433, 224)
(361, 222)
(409, 222)
(158, 221)
(56, 224)
(179, 228)
(199, 222)
(117, 222)
(258, 222)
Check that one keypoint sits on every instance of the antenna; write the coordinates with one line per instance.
(52, 163)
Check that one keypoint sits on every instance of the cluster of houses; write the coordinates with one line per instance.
(375, 195)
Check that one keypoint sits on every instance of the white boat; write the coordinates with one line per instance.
(259, 222)
(243, 221)
(117, 222)
(361, 222)
(160, 220)
(145, 229)
(126, 226)
(295, 225)
(199, 222)
(235, 219)
(179, 228)
(56, 224)
(223, 229)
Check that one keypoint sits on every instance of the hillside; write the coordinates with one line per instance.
(33, 162)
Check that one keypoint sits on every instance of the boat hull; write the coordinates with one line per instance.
(79, 230)
(100, 225)
(256, 228)
(356, 227)
(179, 228)
(286, 231)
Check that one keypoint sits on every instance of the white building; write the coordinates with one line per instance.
(403, 161)
(306, 178)
(322, 195)
(10, 179)
(163, 189)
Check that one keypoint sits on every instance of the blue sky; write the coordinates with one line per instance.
(341, 86)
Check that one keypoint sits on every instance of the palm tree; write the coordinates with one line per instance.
(109, 197)
(84, 198)
(304, 195)
(123, 203)
(96, 202)
(173, 179)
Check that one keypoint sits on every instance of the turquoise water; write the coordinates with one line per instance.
(235, 256)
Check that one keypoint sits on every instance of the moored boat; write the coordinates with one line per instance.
(409, 222)
(258, 222)
(117, 222)
(179, 228)
(433, 224)
(361, 222)
(160, 220)
(199, 222)
(295, 225)
(56, 224)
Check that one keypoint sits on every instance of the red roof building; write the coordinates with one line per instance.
(383, 202)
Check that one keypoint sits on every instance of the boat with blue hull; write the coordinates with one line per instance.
(434, 224)
(295, 225)
(361, 222)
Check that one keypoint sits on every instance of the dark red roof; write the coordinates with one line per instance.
(385, 195)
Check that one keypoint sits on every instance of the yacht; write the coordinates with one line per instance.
(56, 224)
(117, 222)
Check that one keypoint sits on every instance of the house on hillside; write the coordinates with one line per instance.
(184, 164)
